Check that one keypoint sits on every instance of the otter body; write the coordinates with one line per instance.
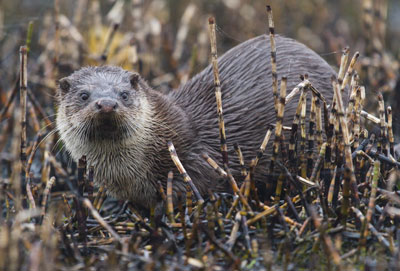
(122, 125)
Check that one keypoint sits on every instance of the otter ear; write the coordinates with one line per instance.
(134, 79)
(64, 85)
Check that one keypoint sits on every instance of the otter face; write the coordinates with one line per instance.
(100, 103)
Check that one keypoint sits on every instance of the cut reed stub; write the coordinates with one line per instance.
(170, 202)
(241, 159)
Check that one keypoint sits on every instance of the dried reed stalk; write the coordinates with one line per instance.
(170, 201)
(390, 130)
(101, 220)
(382, 147)
(186, 177)
(318, 118)
(241, 159)
(372, 198)
(46, 193)
(303, 137)
(293, 135)
(345, 131)
(274, 73)
(343, 64)
(23, 103)
(349, 72)
(311, 134)
(279, 121)
(218, 93)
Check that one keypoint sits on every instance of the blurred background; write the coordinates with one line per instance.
(167, 40)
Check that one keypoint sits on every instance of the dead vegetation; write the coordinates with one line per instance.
(335, 208)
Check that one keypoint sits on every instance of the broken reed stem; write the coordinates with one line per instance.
(101, 220)
(371, 204)
(234, 232)
(217, 215)
(170, 201)
(23, 102)
(302, 85)
(100, 197)
(270, 211)
(81, 180)
(254, 163)
(246, 234)
(218, 93)
(238, 191)
(329, 246)
(241, 159)
(46, 193)
(189, 201)
(247, 181)
(305, 182)
(357, 116)
(370, 117)
(271, 29)
(332, 187)
(318, 164)
(373, 230)
(311, 136)
(346, 196)
(351, 104)
(215, 166)
(318, 117)
(110, 36)
(293, 134)
(303, 137)
(390, 130)
(261, 150)
(345, 132)
(90, 183)
(381, 147)
(182, 171)
(278, 189)
(349, 72)
(279, 121)
(226, 174)
(343, 64)
(162, 192)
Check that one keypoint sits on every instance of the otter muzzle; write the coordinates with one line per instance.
(106, 105)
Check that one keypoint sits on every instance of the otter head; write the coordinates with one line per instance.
(100, 105)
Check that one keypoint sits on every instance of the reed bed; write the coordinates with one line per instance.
(336, 195)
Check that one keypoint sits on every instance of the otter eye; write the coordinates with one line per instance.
(84, 96)
(124, 96)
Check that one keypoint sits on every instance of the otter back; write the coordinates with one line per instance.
(247, 98)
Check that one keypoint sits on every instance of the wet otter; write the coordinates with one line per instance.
(122, 125)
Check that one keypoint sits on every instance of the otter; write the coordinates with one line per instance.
(122, 125)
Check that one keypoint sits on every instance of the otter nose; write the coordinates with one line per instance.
(106, 105)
